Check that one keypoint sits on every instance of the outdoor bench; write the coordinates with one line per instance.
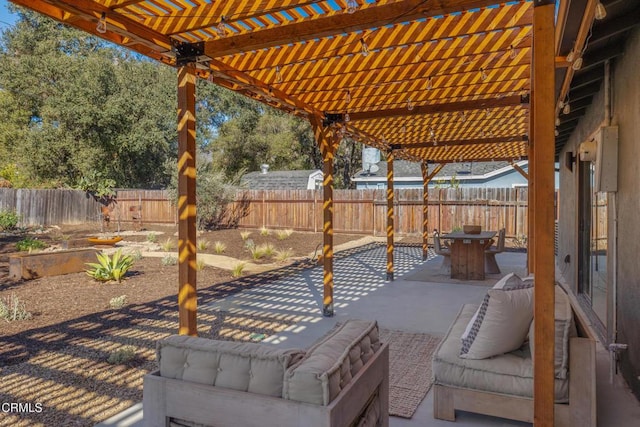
(502, 385)
(342, 380)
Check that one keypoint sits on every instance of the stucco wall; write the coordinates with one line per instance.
(626, 115)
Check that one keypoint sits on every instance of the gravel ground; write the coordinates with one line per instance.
(57, 363)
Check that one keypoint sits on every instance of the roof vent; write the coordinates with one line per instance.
(264, 168)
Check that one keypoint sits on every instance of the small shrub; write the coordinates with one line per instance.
(118, 302)
(245, 235)
(257, 252)
(8, 220)
(237, 269)
(200, 265)
(249, 244)
(283, 234)
(136, 255)
(152, 238)
(219, 247)
(113, 268)
(203, 244)
(268, 249)
(29, 244)
(12, 309)
(169, 260)
(123, 355)
(283, 255)
(168, 245)
(264, 231)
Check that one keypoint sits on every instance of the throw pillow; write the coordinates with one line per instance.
(511, 280)
(501, 324)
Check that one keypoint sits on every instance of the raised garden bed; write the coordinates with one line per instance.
(42, 264)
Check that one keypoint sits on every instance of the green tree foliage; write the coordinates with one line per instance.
(72, 106)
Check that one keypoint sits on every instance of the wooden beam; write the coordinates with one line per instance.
(544, 263)
(390, 213)
(187, 298)
(365, 18)
(499, 140)
(520, 170)
(328, 142)
(479, 104)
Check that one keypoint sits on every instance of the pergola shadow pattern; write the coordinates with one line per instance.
(64, 366)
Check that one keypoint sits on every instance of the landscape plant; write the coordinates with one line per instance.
(283, 234)
(12, 309)
(152, 237)
(8, 220)
(264, 231)
(28, 244)
(200, 265)
(257, 252)
(123, 355)
(268, 249)
(169, 260)
(245, 235)
(219, 247)
(202, 244)
(110, 268)
(118, 302)
(237, 269)
(283, 255)
(168, 245)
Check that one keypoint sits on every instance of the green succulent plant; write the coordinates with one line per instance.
(110, 268)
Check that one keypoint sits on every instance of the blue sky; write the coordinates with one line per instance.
(5, 16)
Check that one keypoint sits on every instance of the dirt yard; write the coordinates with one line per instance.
(59, 357)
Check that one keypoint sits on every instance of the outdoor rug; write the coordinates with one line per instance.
(409, 369)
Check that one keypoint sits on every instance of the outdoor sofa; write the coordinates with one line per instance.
(468, 377)
(342, 380)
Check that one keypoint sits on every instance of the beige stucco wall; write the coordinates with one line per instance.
(626, 115)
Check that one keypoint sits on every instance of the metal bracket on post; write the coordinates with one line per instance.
(332, 119)
(187, 53)
(525, 99)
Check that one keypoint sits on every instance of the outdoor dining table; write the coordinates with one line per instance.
(467, 254)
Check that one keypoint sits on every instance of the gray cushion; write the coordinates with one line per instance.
(240, 366)
(331, 362)
(510, 373)
(565, 328)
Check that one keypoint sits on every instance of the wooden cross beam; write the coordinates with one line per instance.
(497, 140)
(520, 170)
(339, 23)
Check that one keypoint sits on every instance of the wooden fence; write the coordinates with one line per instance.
(355, 211)
(364, 211)
(50, 207)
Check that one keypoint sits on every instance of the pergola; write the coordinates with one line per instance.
(431, 81)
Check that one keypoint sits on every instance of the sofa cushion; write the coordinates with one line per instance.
(510, 373)
(501, 323)
(330, 363)
(240, 366)
(565, 328)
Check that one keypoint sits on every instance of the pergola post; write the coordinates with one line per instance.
(187, 299)
(390, 225)
(426, 179)
(543, 112)
(425, 210)
(328, 142)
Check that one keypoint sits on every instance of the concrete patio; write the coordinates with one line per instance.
(409, 305)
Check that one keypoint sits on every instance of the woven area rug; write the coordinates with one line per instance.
(409, 369)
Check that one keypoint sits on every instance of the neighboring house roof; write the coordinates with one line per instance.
(410, 171)
(282, 180)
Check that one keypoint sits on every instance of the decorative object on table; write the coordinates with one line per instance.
(472, 229)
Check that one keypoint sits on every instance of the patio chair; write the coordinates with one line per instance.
(490, 263)
(445, 251)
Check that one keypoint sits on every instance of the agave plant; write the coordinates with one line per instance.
(113, 268)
